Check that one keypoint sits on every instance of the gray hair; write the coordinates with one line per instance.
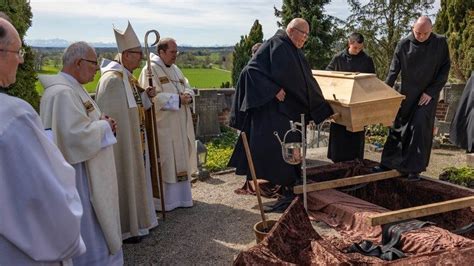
(75, 51)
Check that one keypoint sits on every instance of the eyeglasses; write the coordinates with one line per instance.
(90, 61)
(305, 34)
(20, 52)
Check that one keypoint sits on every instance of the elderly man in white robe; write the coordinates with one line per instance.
(120, 96)
(40, 208)
(85, 137)
(174, 125)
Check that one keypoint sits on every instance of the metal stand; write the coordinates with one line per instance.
(288, 152)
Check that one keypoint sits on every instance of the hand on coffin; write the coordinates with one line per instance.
(334, 116)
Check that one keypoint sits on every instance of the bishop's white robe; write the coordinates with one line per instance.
(126, 105)
(40, 208)
(85, 142)
(175, 132)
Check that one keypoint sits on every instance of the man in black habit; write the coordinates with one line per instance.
(345, 145)
(462, 126)
(423, 60)
(275, 87)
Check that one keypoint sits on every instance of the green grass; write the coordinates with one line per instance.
(51, 70)
(198, 77)
(206, 78)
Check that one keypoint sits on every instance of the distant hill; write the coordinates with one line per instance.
(51, 44)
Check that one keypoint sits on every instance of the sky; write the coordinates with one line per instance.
(190, 22)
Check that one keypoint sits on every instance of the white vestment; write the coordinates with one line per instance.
(40, 208)
(86, 143)
(118, 96)
(175, 132)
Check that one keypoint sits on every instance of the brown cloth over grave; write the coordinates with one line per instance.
(294, 241)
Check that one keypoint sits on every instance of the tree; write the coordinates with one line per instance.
(383, 23)
(242, 50)
(319, 46)
(20, 14)
(455, 19)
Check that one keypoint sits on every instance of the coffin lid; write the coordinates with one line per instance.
(353, 88)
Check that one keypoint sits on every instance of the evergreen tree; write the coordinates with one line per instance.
(20, 14)
(383, 23)
(242, 50)
(323, 33)
(455, 19)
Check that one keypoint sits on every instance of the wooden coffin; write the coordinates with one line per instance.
(361, 99)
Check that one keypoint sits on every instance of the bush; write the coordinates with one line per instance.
(24, 87)
(376, 134)
(220, 149)
(463, 176)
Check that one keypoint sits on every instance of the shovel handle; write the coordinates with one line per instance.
(254, 177)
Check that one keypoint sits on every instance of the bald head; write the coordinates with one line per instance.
(422, 28)
(10, 57)
(298, 31)
(7, 31)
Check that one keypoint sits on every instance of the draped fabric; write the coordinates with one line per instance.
(277, 64)
(137, 213)
(175, 130)
(74, 118)
(462, 126)
(40, 207)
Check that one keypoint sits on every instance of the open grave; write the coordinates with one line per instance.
(338, 218)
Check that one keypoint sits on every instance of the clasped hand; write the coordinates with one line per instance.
(185, 98)
(111, 121)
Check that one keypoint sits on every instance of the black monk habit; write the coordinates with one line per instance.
(424, 68)
(462, 126)
(343, 144)
(256, 111)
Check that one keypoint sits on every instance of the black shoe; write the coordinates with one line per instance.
(380, 168)
(133, 240)
(413, 177)
(280, 206)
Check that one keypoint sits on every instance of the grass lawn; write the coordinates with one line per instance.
(198, 77)
(205, 77)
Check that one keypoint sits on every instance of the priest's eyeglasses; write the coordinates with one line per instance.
(305, 34)
(20, 52)
(90, 61)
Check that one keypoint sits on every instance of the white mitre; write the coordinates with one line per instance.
(126, 39)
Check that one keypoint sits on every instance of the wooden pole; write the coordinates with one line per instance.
(353, 180)
(153, 144)
(254, 178)
(421, 211)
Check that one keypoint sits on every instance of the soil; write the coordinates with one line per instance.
(220, 223)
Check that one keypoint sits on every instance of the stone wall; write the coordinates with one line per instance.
(447, 105)
(212, 110)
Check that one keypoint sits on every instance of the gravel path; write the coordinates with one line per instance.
(220, 223)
